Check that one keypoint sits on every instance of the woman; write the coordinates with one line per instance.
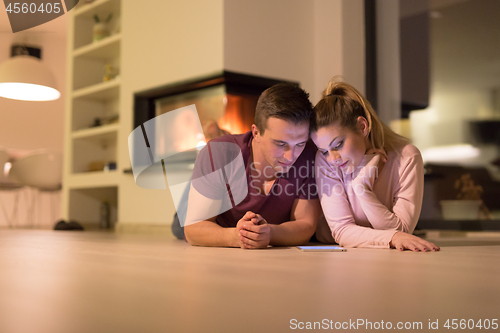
(370, 179)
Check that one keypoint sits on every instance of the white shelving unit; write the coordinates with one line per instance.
(92, 101)
(104, 49)
(95, 131)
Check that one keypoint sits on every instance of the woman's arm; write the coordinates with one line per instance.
(340, 219)
(407, 199)
(338, 212)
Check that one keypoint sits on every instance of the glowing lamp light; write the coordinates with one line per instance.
(450, 153)
(26, 78)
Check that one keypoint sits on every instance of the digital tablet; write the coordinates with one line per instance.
(321, 248)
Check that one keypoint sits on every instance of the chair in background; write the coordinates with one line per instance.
(41, 171)
(7, 185)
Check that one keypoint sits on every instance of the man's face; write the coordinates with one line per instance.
(281, 143)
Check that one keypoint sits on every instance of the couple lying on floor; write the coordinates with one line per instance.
(361, 186)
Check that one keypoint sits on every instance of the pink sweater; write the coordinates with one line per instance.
(371, 219)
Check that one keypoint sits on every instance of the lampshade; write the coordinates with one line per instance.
(26, 78)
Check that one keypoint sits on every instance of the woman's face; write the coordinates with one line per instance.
(342, 147)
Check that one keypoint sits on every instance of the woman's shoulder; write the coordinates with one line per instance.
(406, 151)
(405, 154)
(320, 160)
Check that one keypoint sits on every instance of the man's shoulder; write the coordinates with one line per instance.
(220, 152)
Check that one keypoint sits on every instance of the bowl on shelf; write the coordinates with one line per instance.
(460, 209)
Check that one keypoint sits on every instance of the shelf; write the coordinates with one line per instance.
(97, 7)
(98, 148)
(88, 147)
(108, 48)
(100, 91)
(93, 179)
(94, 131)
(101, 137)
(462, 225)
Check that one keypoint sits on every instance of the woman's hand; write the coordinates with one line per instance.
(378, 151)
(403, 241)
(366, 178)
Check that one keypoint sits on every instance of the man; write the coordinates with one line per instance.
(270, 197)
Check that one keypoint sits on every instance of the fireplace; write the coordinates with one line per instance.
(227, 98)
(171, 123)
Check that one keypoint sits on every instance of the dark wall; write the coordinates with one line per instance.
(415, 61)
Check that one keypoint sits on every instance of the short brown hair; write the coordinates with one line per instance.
(286, 101)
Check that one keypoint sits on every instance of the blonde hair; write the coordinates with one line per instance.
(342, 104)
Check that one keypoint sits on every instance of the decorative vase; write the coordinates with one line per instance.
(460, 209)
(100, 31)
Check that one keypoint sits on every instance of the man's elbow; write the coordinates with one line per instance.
(303, 241)
(188, 234)
(307, 234)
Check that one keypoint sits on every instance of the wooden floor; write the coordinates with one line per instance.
(102, 282)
